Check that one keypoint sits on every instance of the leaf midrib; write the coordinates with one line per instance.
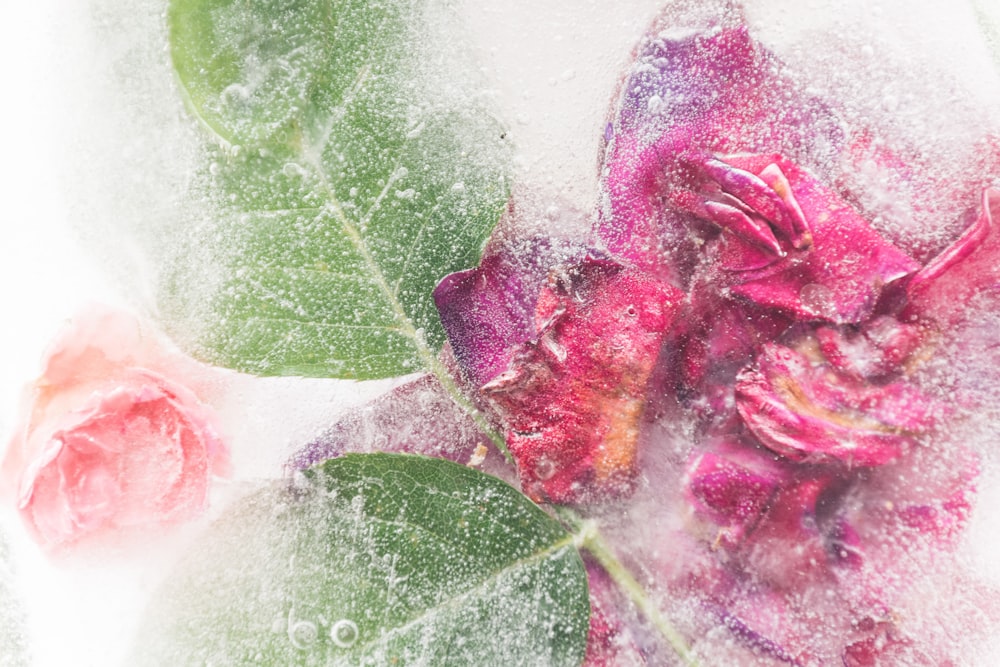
(333, 204)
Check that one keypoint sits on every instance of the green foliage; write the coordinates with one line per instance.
(348, 167)
(377, 559)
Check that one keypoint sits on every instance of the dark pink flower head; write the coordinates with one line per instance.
(573, 397)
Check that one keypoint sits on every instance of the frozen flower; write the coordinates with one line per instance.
(801, 336)
(111, 438)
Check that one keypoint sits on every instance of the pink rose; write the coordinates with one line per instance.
(111, 438)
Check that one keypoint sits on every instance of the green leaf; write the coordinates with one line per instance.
(377, 559)
(349, 165)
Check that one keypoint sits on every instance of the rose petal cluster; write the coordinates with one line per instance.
(112, 437)
(800, 340)
(777, 315)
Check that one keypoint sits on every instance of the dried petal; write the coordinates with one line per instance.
(811, 413)
(733, 484)
(488, 311)
(572, 399)
(879, 349)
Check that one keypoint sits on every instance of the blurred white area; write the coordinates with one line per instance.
(553, 67)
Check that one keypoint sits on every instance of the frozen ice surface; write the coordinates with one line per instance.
(103, 143)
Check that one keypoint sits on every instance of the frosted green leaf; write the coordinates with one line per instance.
(349, 165)
(378, 559)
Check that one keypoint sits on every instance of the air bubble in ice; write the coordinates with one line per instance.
(235, 93)
(818, 299)
(344, 633)
(292, 170)
(545, 469)
(302, 634)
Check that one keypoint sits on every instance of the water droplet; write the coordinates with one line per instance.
(344, 633)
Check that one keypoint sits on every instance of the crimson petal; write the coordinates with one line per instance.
(573, 398)
(810, 413)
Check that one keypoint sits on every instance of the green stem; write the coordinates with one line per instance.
(589, 539)
(458, 396)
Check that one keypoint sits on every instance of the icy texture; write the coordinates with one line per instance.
(375, 560)
(13, 642)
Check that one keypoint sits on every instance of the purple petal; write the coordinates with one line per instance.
(418, 418)
(489, 310)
